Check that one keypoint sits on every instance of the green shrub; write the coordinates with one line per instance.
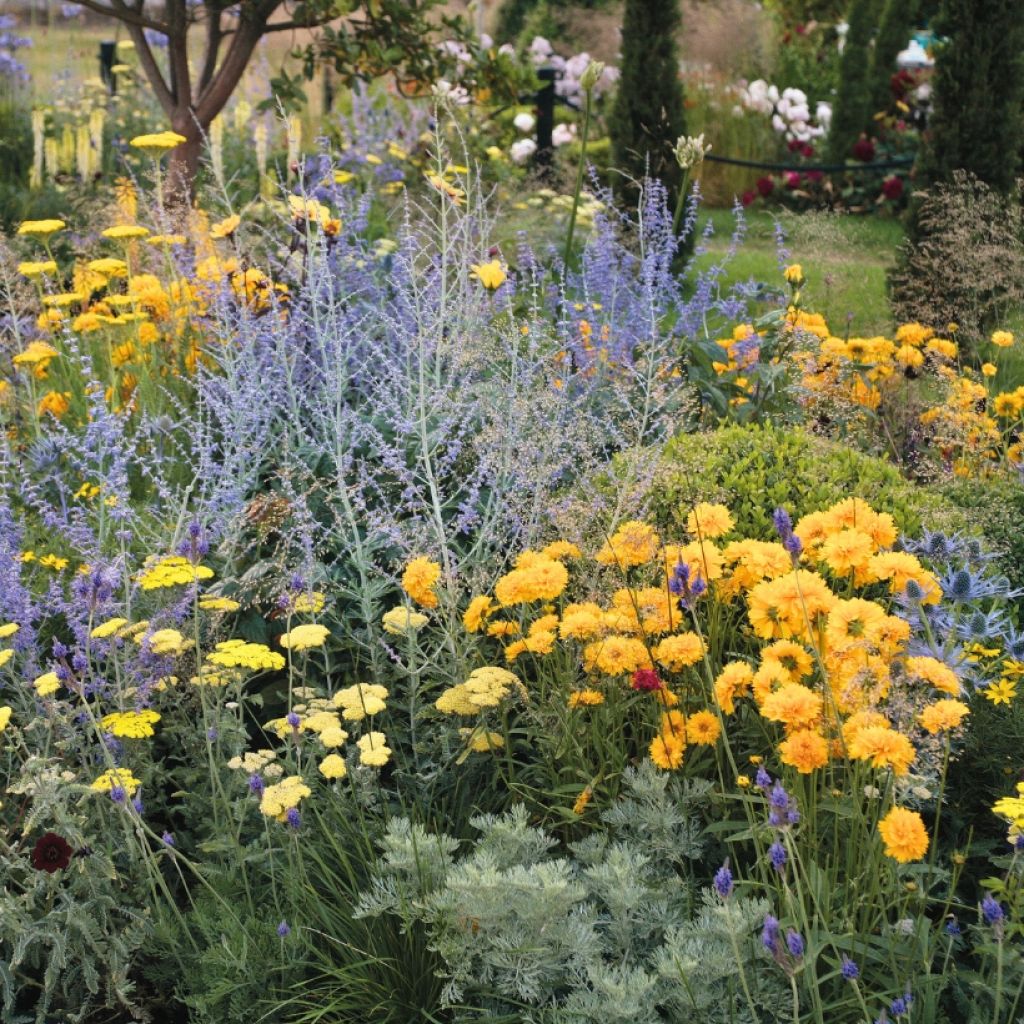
(756, 469)
(996, 506)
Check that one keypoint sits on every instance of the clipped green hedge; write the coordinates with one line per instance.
(756, 469)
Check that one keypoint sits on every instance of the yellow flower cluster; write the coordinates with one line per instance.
(116, 778)
(419, 580)
(361, 701)
(486, 687)
(401, 620)
(302, 638)
(172, 571)
(277, 800)
(133, 725)
(241, 654)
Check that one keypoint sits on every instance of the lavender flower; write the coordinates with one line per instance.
(283, 930)
(991, 910)
(849, 969)
(724, 881)
(777, 856)
(795, 943)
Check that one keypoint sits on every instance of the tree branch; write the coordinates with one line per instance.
(150, 66)
(285, 26)
(177, 52)
(129, 15)
(214, 36)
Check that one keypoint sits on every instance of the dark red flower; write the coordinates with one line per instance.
(813, 176)
(864, 150)
(793, 145)
(765, 186)
(792, 179)
(646, 679)
(892, 187)
(51, 853)
(807, 149)
(748, 197)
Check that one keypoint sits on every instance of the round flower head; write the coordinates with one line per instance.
(40, 227)
(373, 749)
(157, 143)
(51, 853)
(401, 621)
(491, 275)
(904, 835)
(709, 521)
(419, 579)
(125, 232)
(303, 637)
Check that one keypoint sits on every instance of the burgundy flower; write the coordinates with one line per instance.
(813, 176)
(765, 186)
(792, 179)
(807, 150)
(646, 679)
(864, 150)
(793, 145)
(892, 187)
(750, 196)
(51, 853)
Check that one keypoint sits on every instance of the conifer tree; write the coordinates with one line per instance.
(648, 116)
(976, 122)
(894, 30)
(850, 114)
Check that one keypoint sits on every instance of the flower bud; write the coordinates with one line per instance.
(590, 77)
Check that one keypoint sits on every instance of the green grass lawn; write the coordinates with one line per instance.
(845, 260)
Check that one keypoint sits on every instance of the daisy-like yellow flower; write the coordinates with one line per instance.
(225, 228)
(904, 835)
(585, 698)
(1002, 692)
(419, 579)
(943, 715)
(709, 521)
(1002, 339)
(703, 728)
(491, 275)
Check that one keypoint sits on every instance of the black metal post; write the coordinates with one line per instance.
(545, 117)
(108, 54)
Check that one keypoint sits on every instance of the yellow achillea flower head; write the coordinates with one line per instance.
(333, 767)
(303, 637)
(486, 687)
(163, 641)
(47, 684)
(904, 835)
(116, 778)
(284, 796)
(157, 142)
(125, 232)
(373, 750)
(131, 724)
(240, 654)
(401, 620)
(360, 701)
(173, 571)
(36, 352)
(37, 268)
(218, 604)
(6, 655)
(8, 629)
(40, 227)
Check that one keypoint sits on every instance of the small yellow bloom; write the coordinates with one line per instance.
(794, 274)
(491, 275)
(988, 370)
(47, 684)
(126, 231)
(226, 227)
(1002, 339)
(41, 227)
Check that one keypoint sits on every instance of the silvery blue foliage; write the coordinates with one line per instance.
(600, 931)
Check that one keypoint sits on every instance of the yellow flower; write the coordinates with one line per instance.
(108, 628)
(794, 274)
(481, 741)
(126, 231)
(131, 724)
(585, 698)
(988, 370)
(795, 705)
(883, 747)
(163, 641)
(616, 655)
(218, 604)
(226, 228)
(633, 543)
(805, 750)
(311, 603)
(585, 796)
(5, 655)
(5, 717)
(1002, 692)
(678, 651)
(943, 715)
(475, 616)
(239, 654)
(360, 700)
(703, 728)
(1001, 339)
(173, 571)
(709, 521)
(38, 352)
(333, 767)
(733, 681)
(491, 275)
(904, 835)
(373, 749)
(109, 266)
(47, 684)
(36, 269)
(158, 142)
(168, 240)
(279, 799)
(8, 629)
(401, 620)
(419, 579)
(303, 637)
(40, 227)
(120, 778)
(538, 579)
(667, 750)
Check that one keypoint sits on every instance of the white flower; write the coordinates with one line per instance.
(445, 91)
(525, 122)
(521, 150)
(540, 49)
(563, 134)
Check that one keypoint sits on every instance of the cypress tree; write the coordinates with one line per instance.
(648, 116)
(976, 121)
(850, 113)
(898, 20)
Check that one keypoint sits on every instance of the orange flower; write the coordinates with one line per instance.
(904, 835)
(796, 706)
(805, 750)
(703, 728)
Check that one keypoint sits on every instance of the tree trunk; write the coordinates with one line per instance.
(183, 164)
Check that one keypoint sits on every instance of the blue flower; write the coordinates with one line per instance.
(283, 930)
(849, 970)
(770, 934)
(723, 881)
(795, 943)
(777, 855)
(991, 910)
